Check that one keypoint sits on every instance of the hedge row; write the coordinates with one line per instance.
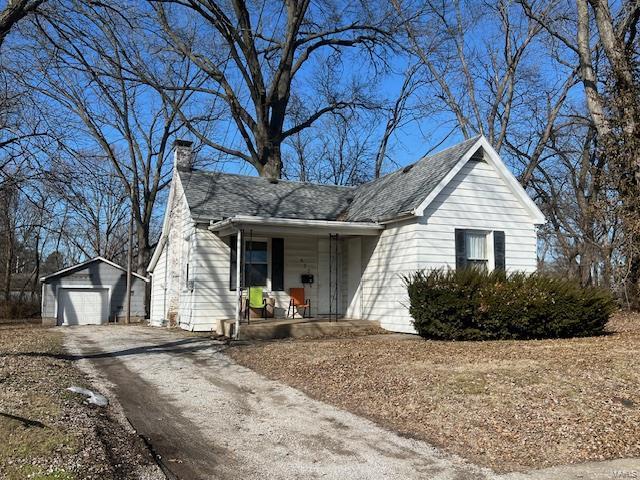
(475, 305)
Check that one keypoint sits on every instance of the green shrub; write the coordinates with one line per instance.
(474, 305)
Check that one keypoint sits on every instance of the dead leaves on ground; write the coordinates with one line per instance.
(508, 405)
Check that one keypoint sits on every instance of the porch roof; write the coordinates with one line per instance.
(293, 226)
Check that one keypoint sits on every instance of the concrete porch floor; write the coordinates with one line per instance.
(274, 328)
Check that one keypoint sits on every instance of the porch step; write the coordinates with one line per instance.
(297, 328)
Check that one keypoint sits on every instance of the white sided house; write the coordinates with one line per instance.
(348, 247)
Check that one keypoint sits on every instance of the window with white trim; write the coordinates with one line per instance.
(476, 249)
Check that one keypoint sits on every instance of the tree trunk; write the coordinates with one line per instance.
(586, 266)
(144, 252)
(143, 248)
(8, 265)
(595, 102)
(271, 161)
(633, 281)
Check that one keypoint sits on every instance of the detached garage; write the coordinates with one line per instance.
(91, 293)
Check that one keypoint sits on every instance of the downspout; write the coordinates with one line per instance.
(236, 332)
(164, 294)
(42, 300)
(193, 272)
(150, 277)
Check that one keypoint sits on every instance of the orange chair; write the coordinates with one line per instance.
(298, 301)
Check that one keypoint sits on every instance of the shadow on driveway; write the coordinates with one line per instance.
(187, 345)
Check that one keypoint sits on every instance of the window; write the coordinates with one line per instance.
(255, 259)
(256, 266)
(476, 249)
(479, 249)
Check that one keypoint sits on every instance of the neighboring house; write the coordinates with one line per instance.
(458, 207)
(91, 293)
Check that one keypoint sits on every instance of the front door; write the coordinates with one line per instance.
(328, 263)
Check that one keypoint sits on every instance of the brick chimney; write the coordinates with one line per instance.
(182, 155)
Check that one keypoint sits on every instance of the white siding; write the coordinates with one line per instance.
(210, 262)
(212, 299)
(158, 285)
(300, 256)
(477, 198)
(353, 277)
(386, 259)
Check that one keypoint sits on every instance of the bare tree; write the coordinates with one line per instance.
(612, 93)
(97, 210)
(22, 129)
(267, 53)
(500, 86)
(576, 197)
(397, 113)
(339, 150)
(8, 210)
(13, 12)
(88, 56)
(493, 86)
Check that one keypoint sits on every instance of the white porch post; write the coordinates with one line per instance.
(236, 332)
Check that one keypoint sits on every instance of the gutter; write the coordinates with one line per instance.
(293, 222)
(397, 218)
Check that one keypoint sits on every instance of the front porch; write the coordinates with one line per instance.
(316, 327)
(322, 259)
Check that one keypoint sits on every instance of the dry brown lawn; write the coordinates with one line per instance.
(48, 433)
(508, 405)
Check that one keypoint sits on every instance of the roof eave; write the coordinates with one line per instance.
(156, 253)
(231, 224)
(87, 262)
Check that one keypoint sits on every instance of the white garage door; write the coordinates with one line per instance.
(83, 306)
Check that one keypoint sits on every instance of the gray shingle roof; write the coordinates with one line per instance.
(402, 190)
(214, 196)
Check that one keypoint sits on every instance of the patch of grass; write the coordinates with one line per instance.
(47, 432)
(55, 475)
(467, 384)
(24, 442)
(37, 473)
(35, 425)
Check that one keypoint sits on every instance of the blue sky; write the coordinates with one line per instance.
(413, 140)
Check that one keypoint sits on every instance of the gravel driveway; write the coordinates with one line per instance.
(207, 417)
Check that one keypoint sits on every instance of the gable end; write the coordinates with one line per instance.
(483, 151)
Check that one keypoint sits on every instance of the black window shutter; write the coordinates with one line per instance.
(499, 250)
(461, 250)
(277, 264)
(233, 244)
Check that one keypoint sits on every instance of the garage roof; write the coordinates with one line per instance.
(83, 264)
